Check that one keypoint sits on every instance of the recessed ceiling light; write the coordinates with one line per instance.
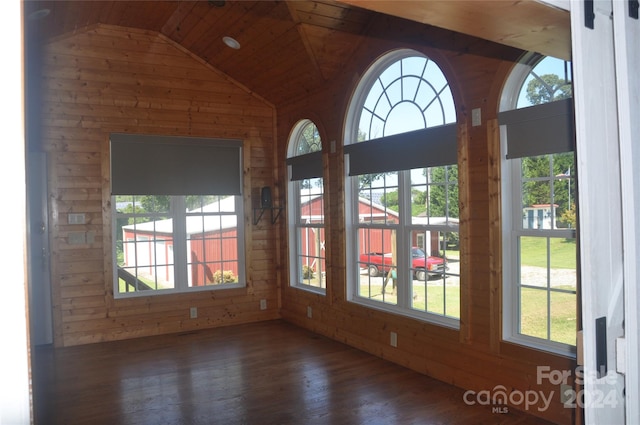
(231, 42)
(39, 14)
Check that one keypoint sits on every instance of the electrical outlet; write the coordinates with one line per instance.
(77, 238)
(78, 218)
(309, 312)
(393, 340)
(193, 312)
(263, 304)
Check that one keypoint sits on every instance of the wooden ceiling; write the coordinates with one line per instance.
(525, 24)
(311, 37)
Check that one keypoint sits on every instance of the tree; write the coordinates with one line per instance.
(536, 191)
(418, 201)
(311, 183)
(365, 180)
(162, 203)
(569, 217)
(155, 203)
(547, 88)
(390, 200)
(443, 193)
(309, 140)
(544, 89)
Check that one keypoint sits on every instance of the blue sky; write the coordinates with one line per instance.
(548, 65)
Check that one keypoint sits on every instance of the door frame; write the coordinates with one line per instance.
(39, 279)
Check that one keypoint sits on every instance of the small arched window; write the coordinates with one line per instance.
(306, 208)
(539, 206)
(402, 190)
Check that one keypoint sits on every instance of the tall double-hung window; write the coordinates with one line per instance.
(539, 206)
(402, 189)
(177, 214)
(306, 209)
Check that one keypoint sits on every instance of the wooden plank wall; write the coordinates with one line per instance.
(110, 79)
(473, 357)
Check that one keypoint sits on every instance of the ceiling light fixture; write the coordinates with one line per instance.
(231, 42)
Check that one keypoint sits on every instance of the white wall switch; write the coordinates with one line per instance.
(476, 117)
(77, 218)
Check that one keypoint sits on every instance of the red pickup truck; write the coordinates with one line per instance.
(377, 262)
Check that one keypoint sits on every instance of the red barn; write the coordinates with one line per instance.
(379, 240)
(212, 242)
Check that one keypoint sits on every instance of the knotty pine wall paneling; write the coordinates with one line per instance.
(106, 79)
(472, 357)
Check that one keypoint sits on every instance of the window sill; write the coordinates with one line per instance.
(530, 343)
(174, 291)
(309, 288)
(434, 319)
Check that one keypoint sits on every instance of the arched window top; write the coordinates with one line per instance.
(536, 107)
(402, 92)
(537, 80)
(305, 139)
(304, 154)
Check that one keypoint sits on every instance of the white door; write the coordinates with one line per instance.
(605, 198)
(38, 250)
(626, 26)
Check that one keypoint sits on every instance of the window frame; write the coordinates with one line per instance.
(512, 229)
(405, 226)
(296, 228)
(178, 248)
(223, 180)
(404, 229)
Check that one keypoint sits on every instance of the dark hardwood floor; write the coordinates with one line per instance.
(264, 373)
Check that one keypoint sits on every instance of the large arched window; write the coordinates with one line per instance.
(539, 206)
(402, 190)
(306, 208)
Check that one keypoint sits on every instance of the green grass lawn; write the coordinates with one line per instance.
(123, 285)
(534, 302)
(317, 280)
(562, 325)
(439, 298)
(534, 252)
(435, 297)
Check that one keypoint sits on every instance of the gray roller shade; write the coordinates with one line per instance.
(540, 129)
(167, 165)
(307, 166)
(430, 147)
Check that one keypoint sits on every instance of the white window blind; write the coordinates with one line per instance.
(169, 165)
(429, 147)
(308, 166)
(540, 129)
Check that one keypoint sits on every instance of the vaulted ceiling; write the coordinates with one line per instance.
(313, 38)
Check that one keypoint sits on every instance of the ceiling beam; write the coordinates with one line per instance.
(526, 24)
